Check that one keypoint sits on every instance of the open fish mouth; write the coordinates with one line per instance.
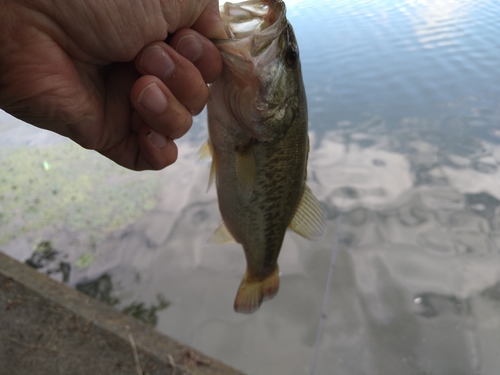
(249, 17)
(253, 28)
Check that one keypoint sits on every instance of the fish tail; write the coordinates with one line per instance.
(252, 292)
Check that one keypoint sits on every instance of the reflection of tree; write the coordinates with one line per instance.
(147, 314)
(102, 289)
(45, 259)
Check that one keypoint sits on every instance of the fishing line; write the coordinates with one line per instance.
(328, 285)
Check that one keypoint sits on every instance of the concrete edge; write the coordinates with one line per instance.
(49, 317)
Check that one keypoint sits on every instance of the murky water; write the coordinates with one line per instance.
(404, 101)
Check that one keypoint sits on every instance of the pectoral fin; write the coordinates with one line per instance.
(246, 168)
(204, 153)
(309, 220)
(221, 236)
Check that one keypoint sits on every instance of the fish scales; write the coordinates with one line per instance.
(257, 120)
(276, 196)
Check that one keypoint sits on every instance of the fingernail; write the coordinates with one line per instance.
(190, 47)
(153, 99)
(157, 62)
(158, 140)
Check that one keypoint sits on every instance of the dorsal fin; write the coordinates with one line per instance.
(221, 236)
(309, 220)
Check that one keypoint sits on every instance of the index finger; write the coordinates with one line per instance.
(209, 24)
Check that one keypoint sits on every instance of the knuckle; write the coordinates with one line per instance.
(181, 124)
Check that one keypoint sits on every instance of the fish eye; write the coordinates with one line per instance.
(291, 57)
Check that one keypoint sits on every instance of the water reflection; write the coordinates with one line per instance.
(439, 23)
(431, 305)
(417, 267)
(54, 263)
(405, 145)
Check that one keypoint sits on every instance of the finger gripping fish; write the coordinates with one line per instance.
(258, 140)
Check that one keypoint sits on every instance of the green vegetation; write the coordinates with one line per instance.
(68, 187)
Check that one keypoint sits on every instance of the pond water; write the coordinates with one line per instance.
(404, 103)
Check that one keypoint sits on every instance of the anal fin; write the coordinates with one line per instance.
(221, 236)
(252, 293)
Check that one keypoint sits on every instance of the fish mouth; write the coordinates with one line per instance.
(247, 18)
(253, 28)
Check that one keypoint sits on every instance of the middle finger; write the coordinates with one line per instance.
(180, 75)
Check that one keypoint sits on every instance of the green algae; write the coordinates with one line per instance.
(85, 260)
(67, 187)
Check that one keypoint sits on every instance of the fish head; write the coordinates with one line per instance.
(262, 73)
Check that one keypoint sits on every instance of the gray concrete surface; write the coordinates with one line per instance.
(47, 328)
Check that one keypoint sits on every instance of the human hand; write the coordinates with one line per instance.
(99, 72)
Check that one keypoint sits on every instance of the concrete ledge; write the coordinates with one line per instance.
(47, 328)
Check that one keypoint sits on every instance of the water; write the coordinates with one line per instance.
(405, 128)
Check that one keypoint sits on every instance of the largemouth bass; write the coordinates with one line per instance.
(258, 140)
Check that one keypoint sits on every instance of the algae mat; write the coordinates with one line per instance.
(65, 186)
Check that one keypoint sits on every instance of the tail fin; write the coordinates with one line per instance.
(251, 293)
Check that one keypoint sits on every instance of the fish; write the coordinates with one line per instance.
(259, 144)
